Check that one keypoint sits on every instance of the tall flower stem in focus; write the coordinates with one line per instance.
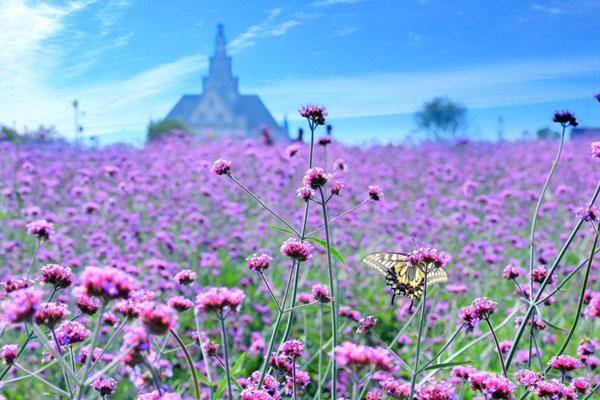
(204, 354)
(534, 223)
(413, 378)
(226, 354)
(88, 360)
(33, 259)
(320, 363)
(265, 365)
(545, 282)
(190, 363)
(489, 323)
(580, 302)
(334, 330)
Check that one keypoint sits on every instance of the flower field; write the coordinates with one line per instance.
(158, 273)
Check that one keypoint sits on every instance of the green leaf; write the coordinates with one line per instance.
(203, 380)
(554, 326)
(282, 230)
(238, 363)
(323, 244)
(445, 365)
(221, 389)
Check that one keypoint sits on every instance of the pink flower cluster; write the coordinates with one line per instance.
(221, 167)
(258, 262)
(157, 318)
(356, 357)
(41, 229)
(429, 256)
(492, 386)
(296, 249)
(54, 274)
(315, 178)
(22, 304)
(107, 283)
(315, 114)
(218, 298)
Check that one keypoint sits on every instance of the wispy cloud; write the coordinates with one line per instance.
(110, 14)
(269, 27)
(546, 9)
(517, 83)
(327, 3)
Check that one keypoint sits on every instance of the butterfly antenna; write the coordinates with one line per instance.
(393, 297)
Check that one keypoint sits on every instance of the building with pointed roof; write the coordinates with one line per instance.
(220, 110)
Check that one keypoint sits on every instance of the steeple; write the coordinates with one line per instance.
(220, 78)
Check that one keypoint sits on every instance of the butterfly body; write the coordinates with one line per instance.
(402, 276)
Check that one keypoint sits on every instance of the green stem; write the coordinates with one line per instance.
(265, 366)
(319, 388)
(33, 259)
(270, 291)
(580, 302)
(226, 354)
(439, 353)
(259, 201)
(334, 330)
(204, 354)
(25, 343)
(190, 363)
(91, 349)
(396, 355)
(500, 356)
(413, 378)
(39, 378)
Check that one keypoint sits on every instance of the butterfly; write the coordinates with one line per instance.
(402, 276)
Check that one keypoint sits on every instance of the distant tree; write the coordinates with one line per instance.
(547, 133)
(441, 117)
(157, 130)
(8, 133)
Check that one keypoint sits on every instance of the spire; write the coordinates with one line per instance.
(220, 78)
(220, 45)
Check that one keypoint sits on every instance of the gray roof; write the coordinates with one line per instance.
(184, 107)
(253, 109)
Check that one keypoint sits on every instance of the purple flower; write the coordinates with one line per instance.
(565, 118)
(107, 283)
(595, 147)
(430, 257)
(105, 386)
(255, 394)
(528, 378)
(88, 305)
(218, 298)
(8, 353)
(22, 304)
(336, 188)
(258, 262)
(315, 114)
(54, 274)
(50, 314)
(366, 324)
(492, 386)
(180, 303)
(512, 271)
(41, 229)
(221, 167)
(185, 277)
(324, 140)
(320, 294)
(375, 193)
(292, 150)
(315, 178)
(597, 96)
(70, 332)
(483, 307)
(564, 363)
(304, 193)
(158, 318)
(292, 349)
(593, 308)
(295, 249)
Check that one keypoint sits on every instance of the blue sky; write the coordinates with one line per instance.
(371, 62)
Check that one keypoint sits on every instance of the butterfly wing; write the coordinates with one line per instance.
(382, 262)
(437, 275)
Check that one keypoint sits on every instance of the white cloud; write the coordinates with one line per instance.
(327, 3)
(497, 85)
(267, 28)
(546, 9)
